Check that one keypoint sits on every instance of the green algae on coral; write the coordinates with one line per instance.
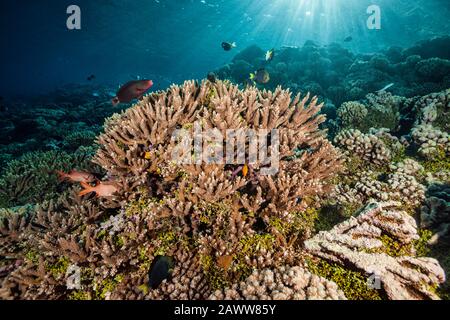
(352, 283)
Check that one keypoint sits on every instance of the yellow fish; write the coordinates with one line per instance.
(225, 261)
(245, 170)
(147, 155)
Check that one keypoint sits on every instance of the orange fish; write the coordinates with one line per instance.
(132, 90)
(225, 261)
(76, 176)
(102, 189)
(245, 170)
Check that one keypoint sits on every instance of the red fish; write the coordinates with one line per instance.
(102, 189)
(132, 90)
(76, 176)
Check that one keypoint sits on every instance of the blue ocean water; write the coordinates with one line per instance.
(173, 40)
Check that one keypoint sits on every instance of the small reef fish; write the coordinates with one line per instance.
(245, 170)
(160, 270)
(261, 76)
(211, 77)
(96, 94)
(227, 46)
(385, 88)
(270, 55)
(348, 39)
(76, 176)
(91, 77)
(102, 189)
(147, 155)
(225, 261)
(131, 90)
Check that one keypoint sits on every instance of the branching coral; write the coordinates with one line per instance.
(32, 178)
(431, 141)
(366, 146)
(218, 223)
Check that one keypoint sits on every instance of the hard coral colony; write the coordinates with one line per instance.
(358, 209)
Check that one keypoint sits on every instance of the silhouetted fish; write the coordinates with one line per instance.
(261, 76)
(91, 77)
(212, 77)
(160, 270)
(227, 46)
(348, 39)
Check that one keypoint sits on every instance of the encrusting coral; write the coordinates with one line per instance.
(363, 243)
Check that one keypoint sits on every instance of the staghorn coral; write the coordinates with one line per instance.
(360, 243)
(188, 281)
(222, 106)
(32, 178)
(283, 283)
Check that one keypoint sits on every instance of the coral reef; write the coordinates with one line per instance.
(364, 217)
(435, 213)
(283, 283)
(201, 215)
(335, 73)
(32, 178)
(361, 243)
(62, 120)
(366, 146)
